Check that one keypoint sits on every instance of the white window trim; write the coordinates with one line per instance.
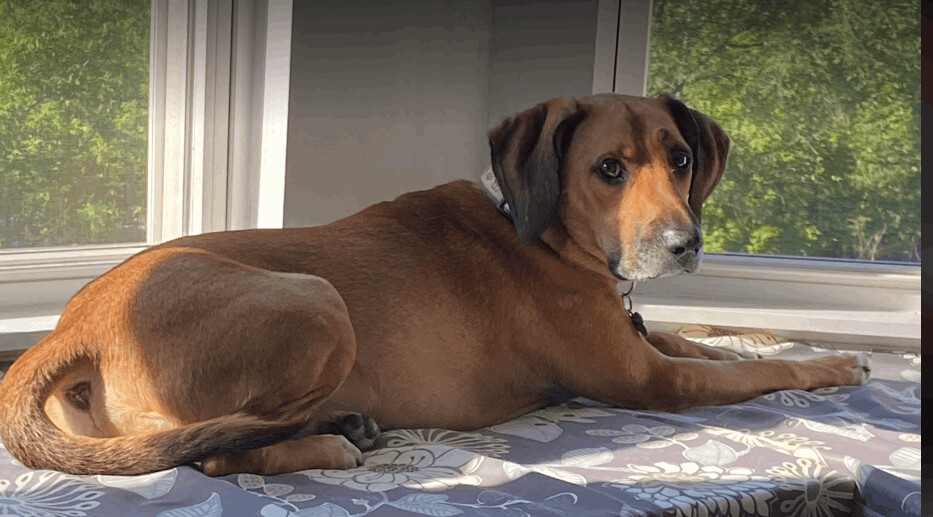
(623, 30)
(219, 115)
(219, 77)
(834, 303)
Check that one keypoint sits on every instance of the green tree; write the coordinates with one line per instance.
(74, 79)
(821, 100)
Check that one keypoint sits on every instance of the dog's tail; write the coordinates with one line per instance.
(33, 439)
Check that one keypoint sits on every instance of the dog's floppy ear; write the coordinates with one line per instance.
(709, 144)
(527, 152)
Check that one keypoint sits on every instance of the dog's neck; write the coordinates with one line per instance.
(555, 237)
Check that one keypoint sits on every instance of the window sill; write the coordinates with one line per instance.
(874, 330)
(18, 334)
(827, 302)
(831, 303)
(36, 283)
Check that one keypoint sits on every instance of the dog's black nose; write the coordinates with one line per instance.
(681, 242)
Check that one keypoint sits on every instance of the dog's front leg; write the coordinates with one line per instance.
(623, 369)
(675, 346)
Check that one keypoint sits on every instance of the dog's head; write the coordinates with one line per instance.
(626, 176)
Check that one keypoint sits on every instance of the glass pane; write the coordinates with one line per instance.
(74, 89)
(821, 100)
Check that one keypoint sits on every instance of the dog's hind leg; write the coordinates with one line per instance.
(331, 332)
(323, 451)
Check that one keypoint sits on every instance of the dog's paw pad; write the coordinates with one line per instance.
(361, 430)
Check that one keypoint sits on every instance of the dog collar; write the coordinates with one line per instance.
(491, 188)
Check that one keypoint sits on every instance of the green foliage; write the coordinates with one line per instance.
(74, 86)
(821, 101)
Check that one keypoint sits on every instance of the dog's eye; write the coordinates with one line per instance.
(609, 168)
(680, 161)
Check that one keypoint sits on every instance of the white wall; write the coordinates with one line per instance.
(541, 50)
(388, 98)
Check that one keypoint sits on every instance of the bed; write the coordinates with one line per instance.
(829, 452)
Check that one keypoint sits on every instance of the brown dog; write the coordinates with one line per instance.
(431, 310)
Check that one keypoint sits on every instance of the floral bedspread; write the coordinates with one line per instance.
(831, 452)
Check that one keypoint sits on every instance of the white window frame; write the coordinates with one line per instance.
(833, 303)
(218, 105)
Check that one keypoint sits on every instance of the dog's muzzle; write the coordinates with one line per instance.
(672, 251)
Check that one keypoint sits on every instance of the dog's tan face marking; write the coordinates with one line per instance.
(624, 221)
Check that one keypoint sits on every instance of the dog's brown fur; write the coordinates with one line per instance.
(427, 311)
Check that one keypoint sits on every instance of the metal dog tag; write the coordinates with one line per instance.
(639, 323)
(637, 320)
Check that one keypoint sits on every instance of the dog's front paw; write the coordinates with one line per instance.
(852, 369)
(360, 429)
(861, 369)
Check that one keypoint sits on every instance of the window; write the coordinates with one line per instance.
(821, 100)
(815, 226)
(74, 89)
(213, 90)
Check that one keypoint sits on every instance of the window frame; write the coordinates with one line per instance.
(218, 104)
